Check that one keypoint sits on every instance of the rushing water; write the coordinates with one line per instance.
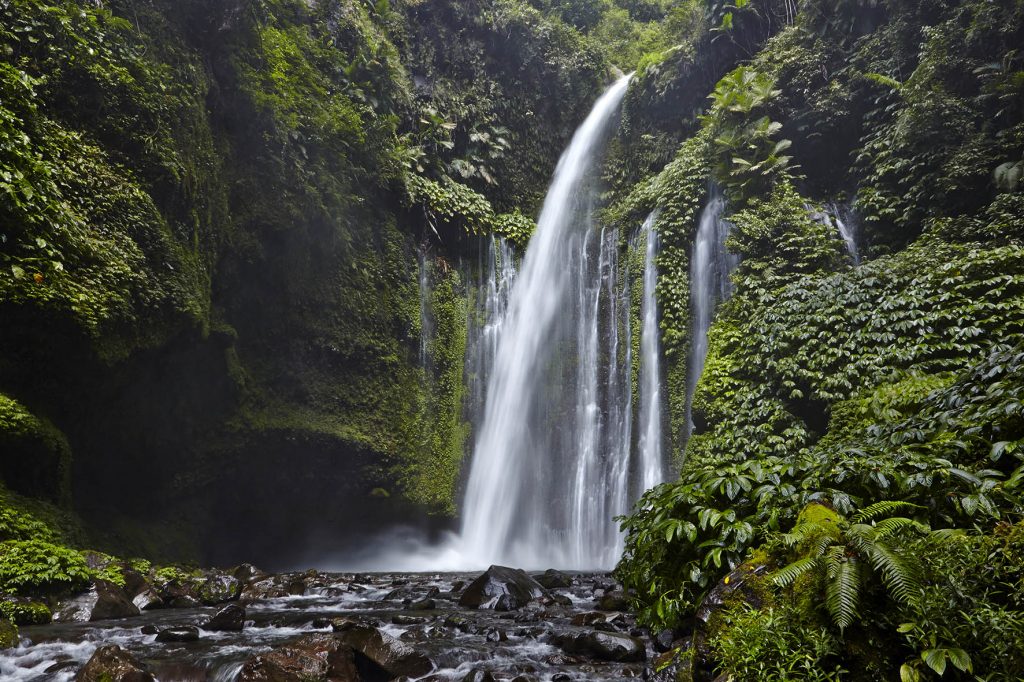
(841, 218)
(650, 445)
(550, 469)
(457, 640)
(710, 267)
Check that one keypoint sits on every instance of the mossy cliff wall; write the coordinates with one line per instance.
(209, 314)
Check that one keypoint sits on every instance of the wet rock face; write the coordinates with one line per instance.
(231, 618)
(393, 655)
(604, 646)
(8, 634)
(103, 600)
(111, 664)
(181, 633)
(552, 579)
(313, 657)
(219, 589)
(503, 589)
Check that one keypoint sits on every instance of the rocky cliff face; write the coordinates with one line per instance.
(208, 282)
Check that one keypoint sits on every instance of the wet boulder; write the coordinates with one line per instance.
(264, 588)
(247, 573)
(604, 646)
(552, 579)
(391, 654)
(314, 657)
(478, 676)
(231, 618)
(501, 588)
(110, 663)
(8, 634)
(178, 633)
(101, 601)
(219, 588)
(422, 605)
(675, 665)
(739, 585)
(613, 601)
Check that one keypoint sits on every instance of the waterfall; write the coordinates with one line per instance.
(426, 321)
(651, 461)
(549, 469)
(845, 222)
(710, 266)
(486, 318)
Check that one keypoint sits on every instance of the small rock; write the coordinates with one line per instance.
(297, 588)
(613, 601)
(231, 618)
(423, 605)
(478, 676)
(220, 588)
(112, 664)
(552, 579)
(150, 629)
(178, 633)
(400, 619)
(496, 635)
(246, 573)
(457, 586)
(588, 618)
(185, 601)
(561, 677)
(321, 623)
(604, 646)
(147, 599)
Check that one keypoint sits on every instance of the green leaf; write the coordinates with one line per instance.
(935, 659)
(909, 674)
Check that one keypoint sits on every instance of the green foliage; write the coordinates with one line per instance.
(748, 156)
(775, 644)
(33, 566)
(843, 554)
(447, 202)
(25, 612)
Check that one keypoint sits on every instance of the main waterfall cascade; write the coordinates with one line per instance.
(551, 466)
(710, 267)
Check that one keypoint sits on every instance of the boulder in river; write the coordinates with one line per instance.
(391, 654)
(219, 588)
(231, 618)
(604, 646)
(8, 634)
(178, 633)
(501, 588)
(317, 656)
(110, 663)
(613, 601)
(478, 676)
(103, 600)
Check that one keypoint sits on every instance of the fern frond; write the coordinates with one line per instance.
(889, 527)
(901, 575)
(842, 592)
(788, 575)
(883, 508)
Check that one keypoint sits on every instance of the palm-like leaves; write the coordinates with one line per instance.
(844, 553)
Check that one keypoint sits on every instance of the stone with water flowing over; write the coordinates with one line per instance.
(103, 600)
(231, 618)
(605, 646)
(313, 657)
(394, 656)
(110, 663)
(510, 588)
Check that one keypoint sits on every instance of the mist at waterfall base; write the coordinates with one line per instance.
(549, 366)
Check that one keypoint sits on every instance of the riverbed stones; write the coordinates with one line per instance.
(501, 588)
(178, 633)
(604, 646)
(103, 600)
(478, 676)
(426, 604)
(231, 618)
(111, 663)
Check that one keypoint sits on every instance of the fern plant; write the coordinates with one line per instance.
(846, 553)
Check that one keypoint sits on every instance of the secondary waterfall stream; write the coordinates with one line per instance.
(710, 266)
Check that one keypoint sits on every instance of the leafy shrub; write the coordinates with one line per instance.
(775, 644)
(32, 566)
(24, 612)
